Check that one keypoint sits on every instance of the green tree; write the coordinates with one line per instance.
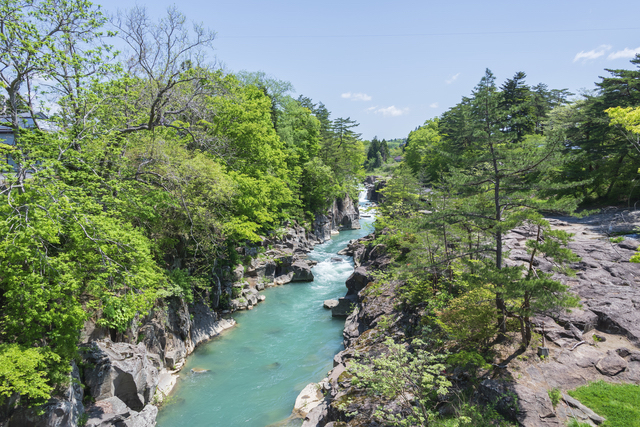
(500, 187)
(517, 107)
(414, 379)
(425, 152)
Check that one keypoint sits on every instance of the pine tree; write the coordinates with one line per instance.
(497, 188)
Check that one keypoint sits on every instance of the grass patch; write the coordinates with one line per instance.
(618, 403)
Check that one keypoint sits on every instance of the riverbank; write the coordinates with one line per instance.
(597, 341)
(122, 375)
(253, 372)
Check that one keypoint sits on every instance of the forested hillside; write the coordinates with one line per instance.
(466, 268)
(152, 167)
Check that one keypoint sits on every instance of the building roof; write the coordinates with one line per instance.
(25, 118)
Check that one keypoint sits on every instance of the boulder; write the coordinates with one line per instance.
(301, 272)
(611, 365)
(283, 279)
(357, 281)
(310, 397)
(317, 415)
(121, 370)
(330, 303)
(344, 307)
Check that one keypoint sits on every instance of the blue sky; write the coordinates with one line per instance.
(392, 65)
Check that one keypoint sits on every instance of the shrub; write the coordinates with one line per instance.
(470, 318)
(555, 395)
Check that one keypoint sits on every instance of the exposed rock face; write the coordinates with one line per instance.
(113, 412)
(301, 272)
(342, 215)
(609, 289)
(346, 214)
(344, 306)
(357, 281)
(310, 397)
(374, 186)
(121, 370)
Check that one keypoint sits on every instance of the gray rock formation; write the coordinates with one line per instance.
(343, 214)
(301, 272)
(374, 186)
(113, 412)
(121, 370)
(357, 281)
(344, 307)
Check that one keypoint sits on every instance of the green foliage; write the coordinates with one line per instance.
(399, 374)
(23, 371)
(377, 154)
(468, 359)
(575, 423)
(468, 415)
(555, 395)
(425, 152)
(618, 403)
(470, 318)
(618, 239)
(185, 284)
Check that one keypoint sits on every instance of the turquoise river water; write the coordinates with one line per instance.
(258, 368)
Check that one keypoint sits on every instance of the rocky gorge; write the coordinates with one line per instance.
(121, 377)
(598, 341)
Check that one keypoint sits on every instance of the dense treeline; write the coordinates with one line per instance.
(153, 167)
(502, 158)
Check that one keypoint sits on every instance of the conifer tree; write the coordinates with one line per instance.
(497, 189)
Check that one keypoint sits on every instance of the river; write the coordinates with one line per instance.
(258, 368)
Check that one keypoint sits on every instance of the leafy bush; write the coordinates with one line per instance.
(555, 395)
(400, 374)
(470, 319)
(23, 371)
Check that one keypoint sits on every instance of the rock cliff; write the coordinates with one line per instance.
(599, 341)
(123, 376)
(374, 185)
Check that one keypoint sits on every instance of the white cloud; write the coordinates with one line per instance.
(392, 111)
(624, 53)
(452, 79)
(592, 54)
(434, 105)
(356, 96)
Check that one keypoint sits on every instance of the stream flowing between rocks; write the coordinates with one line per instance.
(258, 368)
